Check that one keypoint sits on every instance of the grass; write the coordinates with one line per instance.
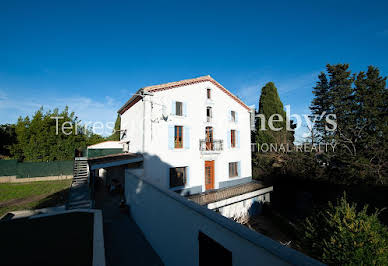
(32, 195)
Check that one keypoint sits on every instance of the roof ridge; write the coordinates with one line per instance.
(180, 83)
(147, 88)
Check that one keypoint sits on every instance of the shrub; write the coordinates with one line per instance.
(341, 235)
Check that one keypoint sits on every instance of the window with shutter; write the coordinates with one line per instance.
(208, 114)
(178, 137)
(233, 116)
(233, 169)
(179, 108)
(233, 138)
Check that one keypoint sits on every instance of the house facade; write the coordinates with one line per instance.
(194, 135)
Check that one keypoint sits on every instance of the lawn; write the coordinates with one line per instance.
(35, 195)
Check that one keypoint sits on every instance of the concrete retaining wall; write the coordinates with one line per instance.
(171, 224)
(13, 179)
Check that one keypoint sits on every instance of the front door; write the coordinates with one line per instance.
(209, 175)
(209, 138)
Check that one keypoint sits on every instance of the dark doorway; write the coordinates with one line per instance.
(212, 253)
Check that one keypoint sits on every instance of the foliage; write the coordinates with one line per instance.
(7, 138)
(116, 131)
(320, 107)
(270, 104)
(40, 140)
(342, 235)
(360, 104)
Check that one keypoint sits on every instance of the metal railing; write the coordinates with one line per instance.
(215, 145)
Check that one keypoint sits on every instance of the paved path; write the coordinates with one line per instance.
(124, 242)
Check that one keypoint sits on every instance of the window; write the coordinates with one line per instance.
(208, 114)
(178, 137)
(233, 172)
(177, 177)
(179, 108)
(212, 252)
(208, 93)
(233, 116)
(233, 138)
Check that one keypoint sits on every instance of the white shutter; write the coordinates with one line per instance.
(186, 137)
(173, 108)
(171, 137)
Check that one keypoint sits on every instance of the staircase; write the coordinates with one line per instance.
(80, 171)
(79, 196)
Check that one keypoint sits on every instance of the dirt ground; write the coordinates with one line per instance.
(265, 225)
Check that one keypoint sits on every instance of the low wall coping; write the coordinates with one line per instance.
(15, 179)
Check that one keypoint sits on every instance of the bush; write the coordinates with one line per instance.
(341, 235)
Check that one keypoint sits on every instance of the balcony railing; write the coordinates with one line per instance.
(215, 145)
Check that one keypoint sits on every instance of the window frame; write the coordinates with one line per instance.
(233, 169)
(174, 174)
(178, 108)
(233, 116)
(209, 113)
(208, 94)
(178, 144)
(233, 138)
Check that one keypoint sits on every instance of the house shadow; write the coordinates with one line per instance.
(59, 198)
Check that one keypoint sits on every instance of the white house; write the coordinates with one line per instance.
(194, 135)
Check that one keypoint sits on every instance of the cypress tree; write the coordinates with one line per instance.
(269, 105)
(116, 131)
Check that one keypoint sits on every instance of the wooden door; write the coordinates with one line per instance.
(209, 138)
(209, 175)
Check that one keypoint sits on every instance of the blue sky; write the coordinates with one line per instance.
(92, 55)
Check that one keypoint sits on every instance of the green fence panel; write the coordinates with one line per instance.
(8, 167)
(102, 152)
(37, 169)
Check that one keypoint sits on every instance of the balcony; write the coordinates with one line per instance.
(214, 146)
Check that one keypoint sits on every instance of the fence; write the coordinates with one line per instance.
(35, 169)
(91, 153)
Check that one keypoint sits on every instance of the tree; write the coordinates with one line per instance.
(38, 140)
(116, 131)
(372, 123)
(7, 138)
(360, 104)
(341, 235)
(320, 108)
(269, 105)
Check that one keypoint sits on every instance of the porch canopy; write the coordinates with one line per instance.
(112, 160)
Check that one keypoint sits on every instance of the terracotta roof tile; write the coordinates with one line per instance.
(225, 193)
(171, 85)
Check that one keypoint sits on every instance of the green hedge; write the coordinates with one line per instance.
(35, 169)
